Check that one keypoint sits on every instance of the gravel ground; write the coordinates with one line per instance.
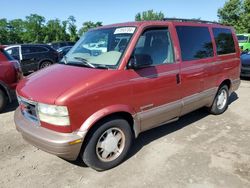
(200, 150)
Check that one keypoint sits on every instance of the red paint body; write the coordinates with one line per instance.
(91, 94)
(8, 72)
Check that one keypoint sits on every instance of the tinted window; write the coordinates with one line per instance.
(26, 50)
(224, 41)
(155, 45)
(195, 42)
(40, 49)
(242, 38)
(33, 49)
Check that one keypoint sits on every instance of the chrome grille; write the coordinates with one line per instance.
(28, 108)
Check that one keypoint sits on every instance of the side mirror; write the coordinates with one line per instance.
(139, 61)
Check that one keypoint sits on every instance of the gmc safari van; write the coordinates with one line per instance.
(95, 102)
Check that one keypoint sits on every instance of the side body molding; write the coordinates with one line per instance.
(88, 123)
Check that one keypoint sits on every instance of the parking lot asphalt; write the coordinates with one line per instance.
(199, 150)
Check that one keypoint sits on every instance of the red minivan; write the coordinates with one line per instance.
(123, 79)
(10, 74)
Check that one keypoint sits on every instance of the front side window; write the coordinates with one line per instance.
(101, 48)
(195, 42)
(14, 52)
(224, 41)
(154, 45)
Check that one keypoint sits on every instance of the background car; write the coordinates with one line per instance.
(33, 57)
(57, 45)
(63, 51)
(245, 65)
(244, 41)
(10, 74)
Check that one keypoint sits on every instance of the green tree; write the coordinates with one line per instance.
(149, 15)
(34, 32)
(16, 31)
(53, 31)
(231, 14)
(3, 31)
(72, 29)
(246, 16)
(88, 25)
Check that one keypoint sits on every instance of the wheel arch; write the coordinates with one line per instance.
(226, 82)
(122, 111)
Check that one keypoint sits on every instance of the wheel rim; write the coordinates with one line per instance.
(45, 64)
(222, 99)
(110, 144)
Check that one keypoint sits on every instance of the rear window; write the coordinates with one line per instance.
(242, 38)
(195, 42)
(224, 41)
(6, 55)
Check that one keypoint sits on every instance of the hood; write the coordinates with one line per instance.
(47, 85)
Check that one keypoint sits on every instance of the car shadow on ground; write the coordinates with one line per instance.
(11, 107)
(147, 137)
(245, 78)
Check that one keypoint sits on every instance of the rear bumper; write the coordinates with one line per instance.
(56, 143)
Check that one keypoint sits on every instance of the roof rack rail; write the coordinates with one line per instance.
(190, 20)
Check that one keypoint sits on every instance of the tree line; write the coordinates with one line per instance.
(236, 13)
(35, 29)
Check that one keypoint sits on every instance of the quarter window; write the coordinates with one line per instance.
(195, 42)
(224, 41)
(156, 45)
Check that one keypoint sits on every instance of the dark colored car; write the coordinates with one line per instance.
(245, 65)
(33, 57)
(63, 51)
(57, 45)
(10, 74)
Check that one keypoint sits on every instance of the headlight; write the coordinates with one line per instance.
(52, 114)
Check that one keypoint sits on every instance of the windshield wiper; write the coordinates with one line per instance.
(85, 62)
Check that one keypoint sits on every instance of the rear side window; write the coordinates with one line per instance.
(224, 41)
(195, 42)
(33, 49)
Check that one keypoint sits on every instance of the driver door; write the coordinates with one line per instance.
(156, 88)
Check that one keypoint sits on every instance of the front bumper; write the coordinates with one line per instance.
(60, 144)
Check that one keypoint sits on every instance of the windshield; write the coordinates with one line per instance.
(101, 48)
(242, 38)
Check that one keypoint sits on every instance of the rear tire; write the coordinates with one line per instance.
(3, 101)
(220, 103)
(108, 145)
(45, 64)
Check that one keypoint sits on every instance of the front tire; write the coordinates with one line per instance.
(3, 100)
(108, 145)
(220, 103)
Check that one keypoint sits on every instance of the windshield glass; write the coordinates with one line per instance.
(100, 48)
(242, 38)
